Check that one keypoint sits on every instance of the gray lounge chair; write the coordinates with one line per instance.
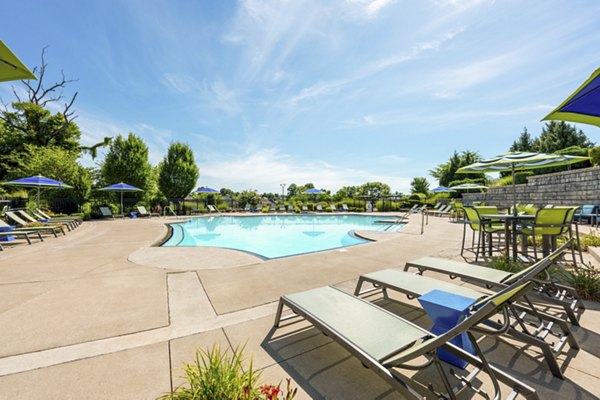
(304, 208)
(319, 208)
(53, 229)
(281, 208)
(25, 234)
(345, 207)
(26, 217)
(213, 209)
(528, 324)
(547, 291)
(107, 213)
(144, 213)
(387, 343)
(291, 208)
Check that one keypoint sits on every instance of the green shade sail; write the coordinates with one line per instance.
(11, 68)
(583, 105)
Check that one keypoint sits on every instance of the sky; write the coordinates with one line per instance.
(336, 93)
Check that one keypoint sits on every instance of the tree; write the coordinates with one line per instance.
(178, 171)
(560, 135)
(374, 189)
(419, 185)
(446, 173)
(292, 190)
(248, 197)
(127, 161)
(523, 143)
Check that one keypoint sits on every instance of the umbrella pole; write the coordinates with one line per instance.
(122, 203)
(38, 197)
(514, 191)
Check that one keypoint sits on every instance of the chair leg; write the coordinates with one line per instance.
(462, 248)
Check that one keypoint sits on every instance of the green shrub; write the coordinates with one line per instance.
(586, 280)
(214, 375)
(505, 264)
(521, 177)
(594, 155)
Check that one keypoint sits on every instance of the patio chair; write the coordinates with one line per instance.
(247, 208)
(387, 343)
(291, 208)
(304, 208)
(107, 213)
(26, 217)
(550, 223)
(547, 291)
(40, 214)
(588, 212)
(483, 229)
(194, 210)
(144, 213)
(281, 208)
(53, 229)
(213, 209)
(345, 207)
(333, 207)
(527, 324)
(319, 208)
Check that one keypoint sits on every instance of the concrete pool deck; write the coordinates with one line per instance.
(100, 313)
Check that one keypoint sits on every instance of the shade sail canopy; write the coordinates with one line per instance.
(467, 186)
(583, 105)
(11, 68)
(313, 191)
(206, 190)
(38, 182)
(442, 189)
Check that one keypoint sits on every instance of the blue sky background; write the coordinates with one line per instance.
(330, 92)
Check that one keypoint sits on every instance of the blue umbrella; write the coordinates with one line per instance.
(39, 182)
(313, 191)
(121, 187)
(583, 105)
(203, 189)
(442, 189)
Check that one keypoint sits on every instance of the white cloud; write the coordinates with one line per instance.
(180, 83)
(368, 8)
(266, 169)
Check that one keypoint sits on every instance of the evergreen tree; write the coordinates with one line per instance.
(523, 143)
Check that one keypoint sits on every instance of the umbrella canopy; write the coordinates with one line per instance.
(313, 191)
(38, 182)
(583, 105)
(121, 187)
(442, 189)
(11, 68)
(520, 161)
(467, 186)
(203, 189)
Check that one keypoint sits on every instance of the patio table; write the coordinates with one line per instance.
(447, 310)
(510, 226)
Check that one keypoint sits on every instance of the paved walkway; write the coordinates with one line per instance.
(101, 314)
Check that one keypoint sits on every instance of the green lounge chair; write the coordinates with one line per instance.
(107, 213)
(528, 324)
(29, 218)
(75, 221)
(547, 291)
(387, 343)
(53, 229)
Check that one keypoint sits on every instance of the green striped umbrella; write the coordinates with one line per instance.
(520, 161)
(11, 68)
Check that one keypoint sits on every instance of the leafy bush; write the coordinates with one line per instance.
(586, 280)
(594, 155)
(521, 177)
(505, 264)
(214, 375)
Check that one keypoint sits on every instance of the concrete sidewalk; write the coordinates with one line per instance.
(100, 314)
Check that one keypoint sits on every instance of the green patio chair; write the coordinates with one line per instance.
(484, 230)
(551, 223)
(547, 290)
(388, 344)
(107, 213)
(528, 325)
(53, 229)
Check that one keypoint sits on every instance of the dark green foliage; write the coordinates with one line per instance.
(523, 143)
(560, 135)
(594, 154)
(505, 264)
(446, 173)
(586, 280)
(521, 177)
(419, 185)
(127, 161)
(178, 171)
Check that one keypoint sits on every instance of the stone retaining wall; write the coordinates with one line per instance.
(578, 187)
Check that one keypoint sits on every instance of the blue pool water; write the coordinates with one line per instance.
(272, 236)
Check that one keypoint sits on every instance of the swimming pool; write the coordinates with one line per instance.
(272, 236)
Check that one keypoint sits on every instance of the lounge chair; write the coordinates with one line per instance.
(194, 210)
(281, 208)
(387, 343)
(247, 208)
(547, 292)
(213, 209)
(26, 217)
(345, 207)
(528, 324)
(291, 208)
(42, 215)
(144, 213)
(53, 229)
(25, 234)
(319, 208)
(588, 212)
(304, 208)
(107, 213)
